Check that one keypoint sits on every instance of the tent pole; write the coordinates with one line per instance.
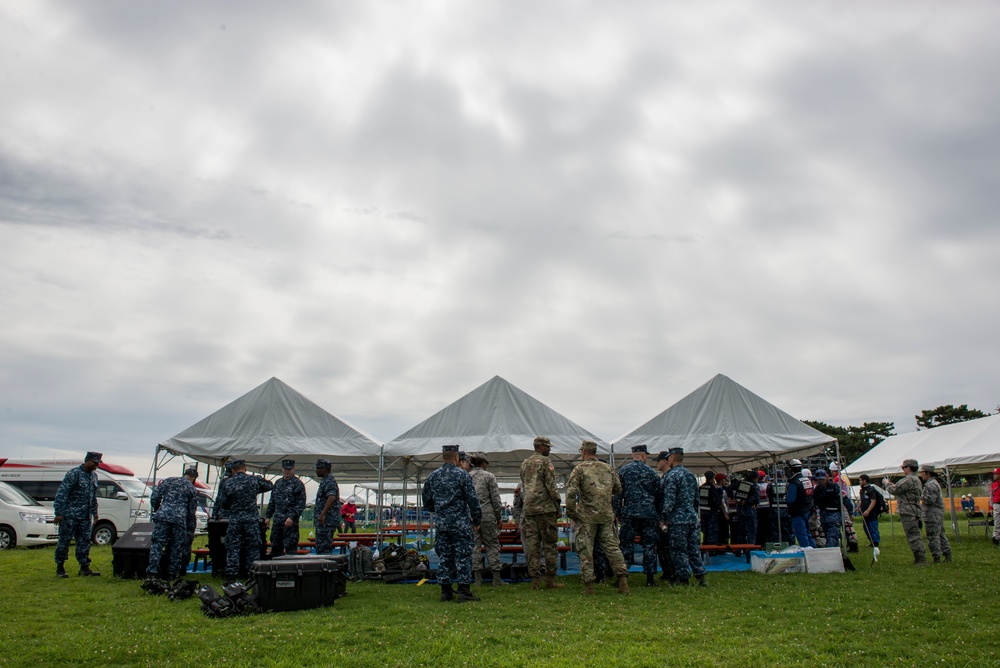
(381, 487)
(951, 499)
(156, 463)
(777, 499)
(402, 515)
(840, 500)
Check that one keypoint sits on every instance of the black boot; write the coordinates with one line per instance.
(86, 572)
(701, 580)
(447, 593)
(852, 547)
(680, 583)
(61, 571)
(650, 580)
(465, 594)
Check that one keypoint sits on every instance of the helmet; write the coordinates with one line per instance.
(795, 463)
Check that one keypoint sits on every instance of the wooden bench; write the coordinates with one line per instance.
(519, 549)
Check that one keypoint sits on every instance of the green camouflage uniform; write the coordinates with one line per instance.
(907, 492)
(488, 534)
(541, 512)
(588, 503)
(933, 507)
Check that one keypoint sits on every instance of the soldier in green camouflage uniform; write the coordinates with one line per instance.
(907, 492)
(487, 536)
(588, 503)
(539, 529)
(933, 507)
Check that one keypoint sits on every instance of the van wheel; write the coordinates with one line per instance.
(104, 534)
(8, 539)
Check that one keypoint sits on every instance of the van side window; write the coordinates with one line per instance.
(106, 490)
(39, 490)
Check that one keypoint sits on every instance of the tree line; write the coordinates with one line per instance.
(856, 441)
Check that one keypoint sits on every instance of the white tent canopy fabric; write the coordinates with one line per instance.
(496, 418)
(962, 447)
(724, 425)
(274, 422)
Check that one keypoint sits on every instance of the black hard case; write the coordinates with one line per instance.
(300, 582)
(130, 553)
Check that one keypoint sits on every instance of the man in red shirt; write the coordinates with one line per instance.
(995, 501)
(347, 512)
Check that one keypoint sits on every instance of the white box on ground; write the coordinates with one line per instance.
(824, 560)
(777, 562)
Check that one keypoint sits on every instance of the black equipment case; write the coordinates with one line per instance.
(294, 582)
(130, 553)
(217, 544)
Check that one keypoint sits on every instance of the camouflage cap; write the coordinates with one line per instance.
(911, 464)
(236, 463)
(478, 458)
(675, 451)
(927, 468)
(542, 440)
(449, 448)
(287, 463)
(639, 448)
(93, 457)
(462, 456)
(589, 446)
(322, 463)
(663, 455)
(229, 465)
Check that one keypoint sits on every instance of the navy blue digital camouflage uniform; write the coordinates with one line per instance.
(324, 530)
(76, 503)
(238, 498)
(679, 510)
(174, 502)
(636, 508)
(450, 494)
(288, 500)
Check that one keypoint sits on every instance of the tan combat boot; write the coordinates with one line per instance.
(550, 582)
(623, 585)
(588, 588)
(536, 584)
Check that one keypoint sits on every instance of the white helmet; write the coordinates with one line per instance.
(834, 466)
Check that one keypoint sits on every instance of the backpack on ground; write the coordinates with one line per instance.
(360, 562)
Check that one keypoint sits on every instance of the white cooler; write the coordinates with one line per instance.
(824, 560)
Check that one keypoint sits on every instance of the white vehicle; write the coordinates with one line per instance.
(24, 521)
(122, 499)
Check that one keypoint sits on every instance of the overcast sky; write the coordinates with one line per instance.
(385, 204)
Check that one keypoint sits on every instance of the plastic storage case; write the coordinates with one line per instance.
(130, 553)
(777, 562)
(300, 582)
(824, 560)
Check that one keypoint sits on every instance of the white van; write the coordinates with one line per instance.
(24, 521)
(122, 499)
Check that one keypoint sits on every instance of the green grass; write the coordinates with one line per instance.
(889, 615)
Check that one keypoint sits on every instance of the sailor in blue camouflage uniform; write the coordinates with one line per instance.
(217, 512)
(75, 505)
(288, 500)
(450, 494)
(326, 512)
(679, 510)
(238, 497)
(636, 507)
(174, 503)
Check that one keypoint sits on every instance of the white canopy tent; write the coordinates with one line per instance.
(498, 419)
(962, 447)
(274, 422)
(723, 425)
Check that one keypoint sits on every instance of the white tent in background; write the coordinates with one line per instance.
(498, 419)
(723, 425)
(962, 447)
(274, 422)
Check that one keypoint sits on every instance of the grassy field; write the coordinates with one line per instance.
(891, 614)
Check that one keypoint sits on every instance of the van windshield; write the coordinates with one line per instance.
(135, 488)
(15, 497)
